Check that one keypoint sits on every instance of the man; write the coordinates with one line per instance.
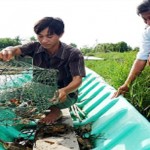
(144, 54)
(50, 52)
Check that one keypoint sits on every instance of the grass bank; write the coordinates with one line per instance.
(115, 68)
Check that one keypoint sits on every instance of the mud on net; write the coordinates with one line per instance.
(25, 91)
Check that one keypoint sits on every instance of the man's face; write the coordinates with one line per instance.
(146, 17)
(46, 40)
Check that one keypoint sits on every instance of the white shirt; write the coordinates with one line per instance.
(144, 51)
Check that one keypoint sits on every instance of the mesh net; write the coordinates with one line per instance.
(25, 91)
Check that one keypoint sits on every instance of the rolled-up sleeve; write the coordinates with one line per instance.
(29, 48)
(144, 51)
(77, 66)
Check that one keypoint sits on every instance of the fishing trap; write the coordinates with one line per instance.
(26, 91)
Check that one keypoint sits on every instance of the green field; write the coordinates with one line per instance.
(115, 68)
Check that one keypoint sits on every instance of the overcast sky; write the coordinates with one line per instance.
(87, 22)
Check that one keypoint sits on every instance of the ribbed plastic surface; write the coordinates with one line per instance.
(116, 122)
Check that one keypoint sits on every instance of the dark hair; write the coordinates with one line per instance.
(55, 25)
(144, 6)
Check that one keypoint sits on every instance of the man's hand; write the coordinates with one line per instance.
(9, 52)
(59, 96)
(121, 91)
(6, 55)
(62, 95)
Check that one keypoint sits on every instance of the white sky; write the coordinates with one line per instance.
(87, 22)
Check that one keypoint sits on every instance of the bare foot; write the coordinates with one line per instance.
(53, 116)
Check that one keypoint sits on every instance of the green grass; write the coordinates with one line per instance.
(115, 68)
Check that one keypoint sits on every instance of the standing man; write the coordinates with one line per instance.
(143, 10)
(50, 52)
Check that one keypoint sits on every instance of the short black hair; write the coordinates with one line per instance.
(55, 25)
(144, 6)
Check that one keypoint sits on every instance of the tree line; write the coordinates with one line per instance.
(5, 42)
(108, 47)
(100, 47)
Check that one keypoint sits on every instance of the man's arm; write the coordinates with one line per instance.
(136, 70)
(72, 86)
(9, 52)
(148, 61)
